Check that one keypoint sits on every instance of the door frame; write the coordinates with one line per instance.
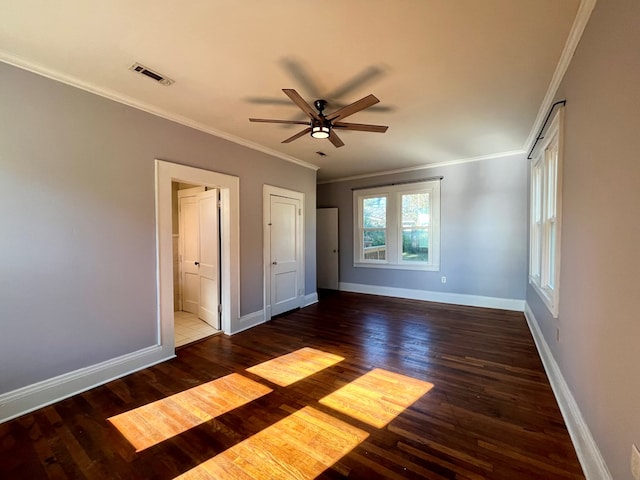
(267, 192)
(165, 173)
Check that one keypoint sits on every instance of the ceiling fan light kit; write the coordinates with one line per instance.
(320, 132)
(320, 125)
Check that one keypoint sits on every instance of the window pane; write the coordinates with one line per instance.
(552, 157)
(415, 245)
(537, 193)
(374, 212)
(552, 256)
(415, 210)
(374, 245)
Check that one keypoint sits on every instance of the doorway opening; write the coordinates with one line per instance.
(227, 254)
(196, 262)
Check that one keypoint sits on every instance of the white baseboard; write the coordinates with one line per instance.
(440, 297)
(32, 397)
(249, 321)
(310, 299)
(593, 464)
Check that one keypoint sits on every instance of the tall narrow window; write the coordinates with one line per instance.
(398, 226)
(546, 200)
(415, 227)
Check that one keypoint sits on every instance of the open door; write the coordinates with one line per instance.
(200, 253)
(209, 258)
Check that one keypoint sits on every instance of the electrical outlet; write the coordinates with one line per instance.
(443, 279)
(635, 462)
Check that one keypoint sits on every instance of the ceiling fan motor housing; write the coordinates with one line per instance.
(320, 105)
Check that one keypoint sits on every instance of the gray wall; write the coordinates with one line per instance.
(483, 230)
(599, 349)
(77, 245)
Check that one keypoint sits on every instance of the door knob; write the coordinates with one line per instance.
(197, 263)
(274, 263)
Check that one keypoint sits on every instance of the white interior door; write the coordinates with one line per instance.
(190, 252)
(285, 243)
(199, 253)
(208, 263)
(327, 247)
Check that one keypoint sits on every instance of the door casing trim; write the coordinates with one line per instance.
(165, 173)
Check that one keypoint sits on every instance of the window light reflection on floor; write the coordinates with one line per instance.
(155, 422)
(377, 397)
(300, 446)
(292, 367)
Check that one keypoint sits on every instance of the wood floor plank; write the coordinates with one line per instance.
(489, 414)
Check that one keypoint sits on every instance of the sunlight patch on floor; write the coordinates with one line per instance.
(292, 367)
(155, 422)
(377, 397)
(300, 446)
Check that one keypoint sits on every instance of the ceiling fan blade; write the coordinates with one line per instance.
(335, 139)
(353, 108)
(363, 127)
(301, 103)
(297, 135)
(375, 108)
(268, 120)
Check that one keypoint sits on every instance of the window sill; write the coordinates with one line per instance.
(549, 301)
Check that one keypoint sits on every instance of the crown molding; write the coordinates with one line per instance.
(577, 29)
(425, 167)
(145, 107)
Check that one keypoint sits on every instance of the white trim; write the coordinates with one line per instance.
(32, 397)
(575, 34)
(425, 167)
(440, 297)
(267, 191)
(249, 321)
(310, 299)
(145, 107)
(258, 318)
(591, 459)
(229, 186)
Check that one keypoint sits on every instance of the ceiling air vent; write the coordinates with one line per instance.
(161, 79)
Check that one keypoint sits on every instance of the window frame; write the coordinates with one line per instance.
(394, 229)
(545, 215)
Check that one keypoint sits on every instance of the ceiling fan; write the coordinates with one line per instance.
(324, 126)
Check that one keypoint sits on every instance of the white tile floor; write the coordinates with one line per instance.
(189, 328)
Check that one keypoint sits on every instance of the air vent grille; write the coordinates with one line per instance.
(158, 77)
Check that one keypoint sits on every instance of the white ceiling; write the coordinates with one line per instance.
(456, 79)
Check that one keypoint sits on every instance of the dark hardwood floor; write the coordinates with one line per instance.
(488, 411)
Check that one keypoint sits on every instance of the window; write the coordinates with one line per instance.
(398, 226)
(546, 190)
